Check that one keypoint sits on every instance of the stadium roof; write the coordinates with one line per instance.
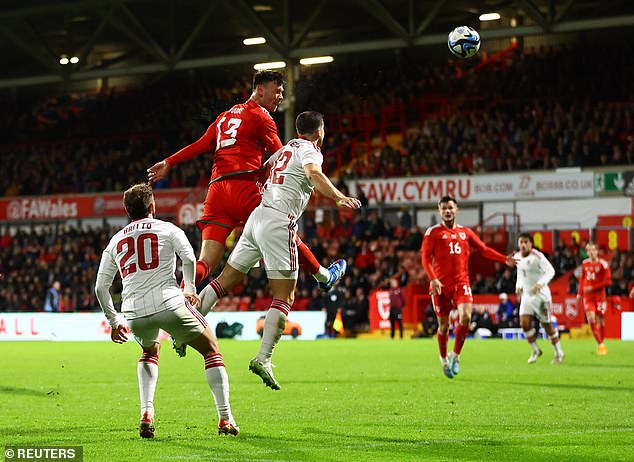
(127, 37)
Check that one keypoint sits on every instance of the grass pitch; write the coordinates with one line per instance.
(341, 400)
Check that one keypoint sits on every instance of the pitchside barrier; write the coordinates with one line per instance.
(306, 325)
(619, 322)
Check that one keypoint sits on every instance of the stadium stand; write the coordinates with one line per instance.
(574, 119)
(104, 142)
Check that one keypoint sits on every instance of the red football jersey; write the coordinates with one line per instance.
(445, 253)
(597, 276)
(238, 139)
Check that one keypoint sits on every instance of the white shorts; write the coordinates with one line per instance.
(536, 305)
(184, 324)
(268, 235)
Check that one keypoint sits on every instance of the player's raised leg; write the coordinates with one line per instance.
(283, 291)
(462, 331)
(326, 278)
(218, 288)
(526, 321)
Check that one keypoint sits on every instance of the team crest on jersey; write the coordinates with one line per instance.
(462, 235)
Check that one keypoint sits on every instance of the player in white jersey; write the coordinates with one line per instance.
(534, 272)
(144, 253)
(269, 233)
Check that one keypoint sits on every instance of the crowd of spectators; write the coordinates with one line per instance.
(534, 109)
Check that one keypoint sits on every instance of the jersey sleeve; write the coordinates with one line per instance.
(310, 155)
(519, 279)
(205, 143)
(427, 254)
(105, 276)
(548, 272)
(582, 280)
(271, 140)
(185, 252)
(486, 251)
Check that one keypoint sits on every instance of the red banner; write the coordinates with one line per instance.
(544, 240)
(613, 239)
(572, 236)
(69, 206)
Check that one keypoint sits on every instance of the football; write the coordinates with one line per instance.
(463, 42)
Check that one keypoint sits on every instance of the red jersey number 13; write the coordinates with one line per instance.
(227, 136)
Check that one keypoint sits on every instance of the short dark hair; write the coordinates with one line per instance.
(261, 77)
(137, 200)
(308, 122)
(526, 236)
(445, 199)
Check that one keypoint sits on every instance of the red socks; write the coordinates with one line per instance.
(461, 335)
(442, 343)
(306, 258)
(597, 331)
(202, 270)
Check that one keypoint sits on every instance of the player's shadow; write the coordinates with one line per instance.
(562, 385)
(615, 366)
(23, 391)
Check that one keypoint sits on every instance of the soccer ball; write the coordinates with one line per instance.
(463, 42)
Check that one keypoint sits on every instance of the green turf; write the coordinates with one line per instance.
(348, 400)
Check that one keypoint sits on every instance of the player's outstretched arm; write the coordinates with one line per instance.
(205, 143)
(323, 184)
(488, 252)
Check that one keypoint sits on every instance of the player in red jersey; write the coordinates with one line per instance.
(595, 277)
(238, 140)
(445, 257)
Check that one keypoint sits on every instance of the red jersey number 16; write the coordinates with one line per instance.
(454, 248)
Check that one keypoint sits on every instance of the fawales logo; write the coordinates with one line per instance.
(34, 209)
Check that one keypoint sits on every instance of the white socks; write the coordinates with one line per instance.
(218, 381)
(208, 299)
(147, 371)
(323, 275)
(274, 325)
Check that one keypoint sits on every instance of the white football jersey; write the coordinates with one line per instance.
(144, 254)
(287, 187)
(532, 269)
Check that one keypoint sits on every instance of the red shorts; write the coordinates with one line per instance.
(596, 305)
(228, 204)
(451, 297)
